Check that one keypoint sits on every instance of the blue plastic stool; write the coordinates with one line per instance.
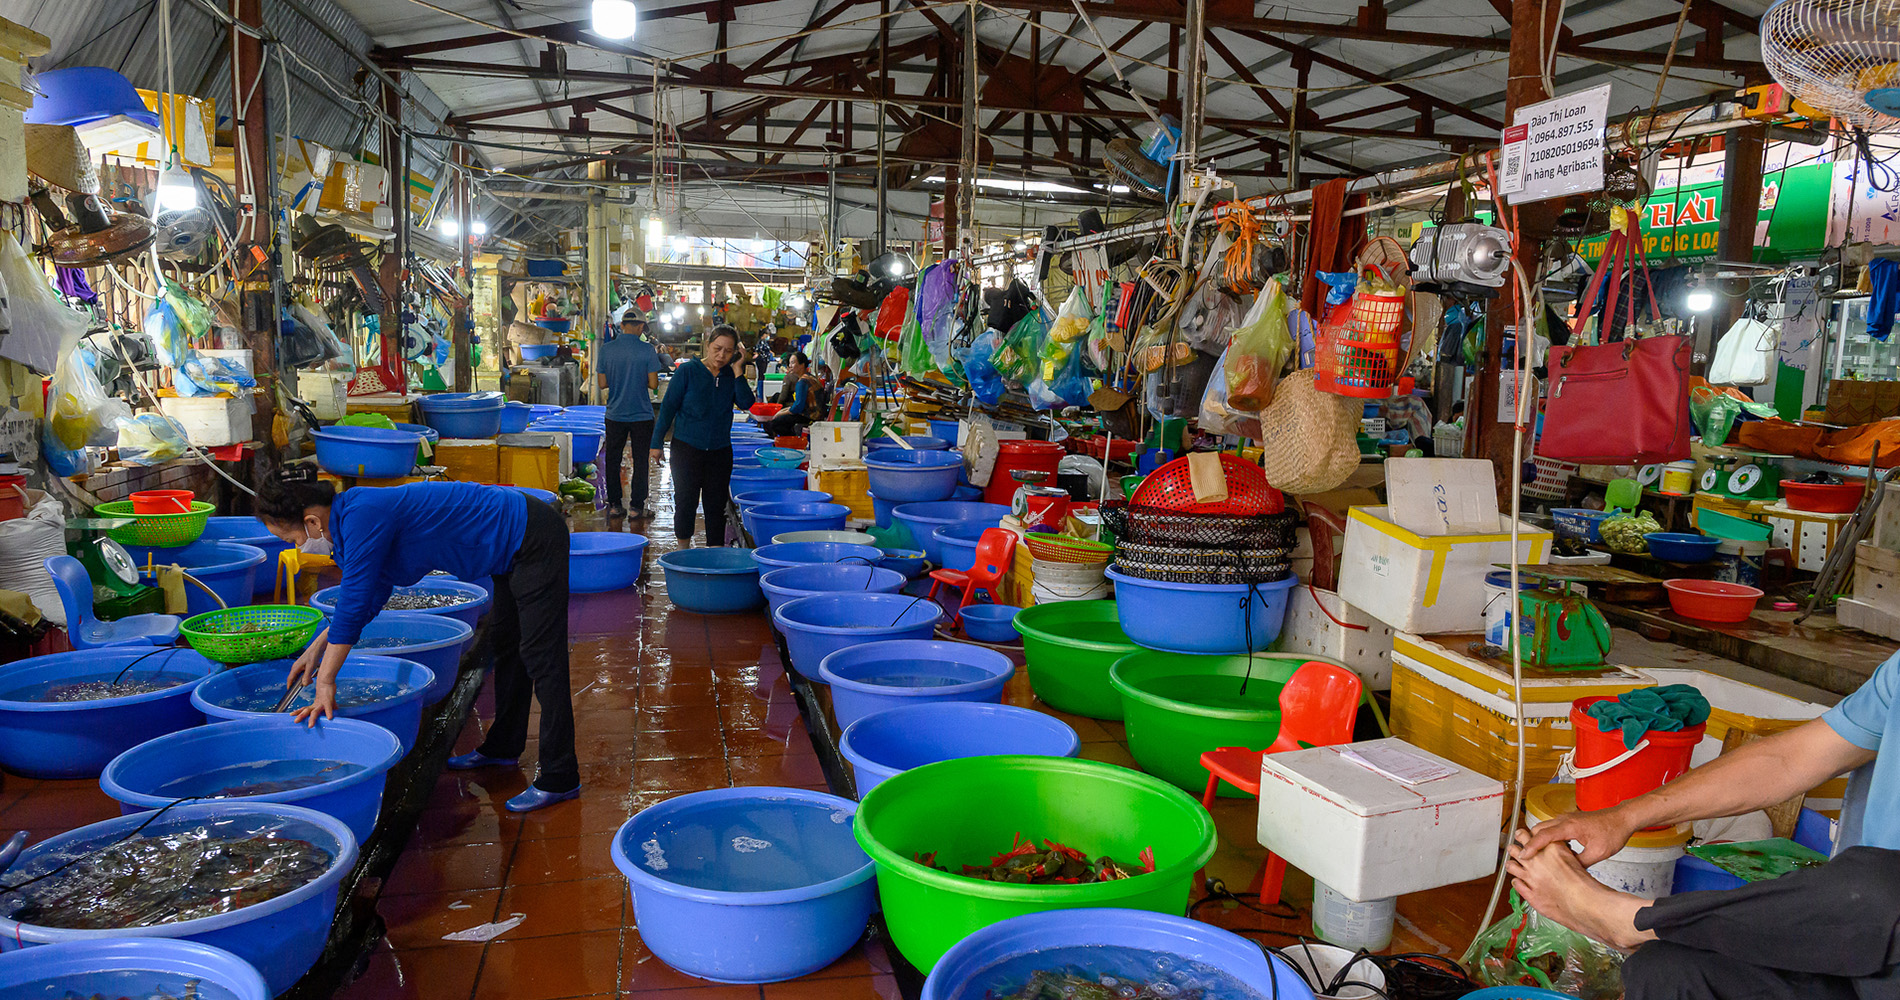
(87, 632)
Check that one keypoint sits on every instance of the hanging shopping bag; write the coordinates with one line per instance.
(1744, 353)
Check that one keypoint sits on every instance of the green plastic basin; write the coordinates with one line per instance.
(1069, 646)
(1178, 706)
(970, 810)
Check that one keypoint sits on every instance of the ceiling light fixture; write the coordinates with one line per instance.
(177, 191)
(615, 19)
(449, 228)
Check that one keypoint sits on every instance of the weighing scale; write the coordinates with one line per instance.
(1740, 478)
(117, 591)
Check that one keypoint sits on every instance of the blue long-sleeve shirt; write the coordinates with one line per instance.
(392, 536)
(698, 406)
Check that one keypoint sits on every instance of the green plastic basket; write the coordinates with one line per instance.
(283, 630)
(158, 530)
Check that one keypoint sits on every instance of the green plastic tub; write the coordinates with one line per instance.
(1070, 645)
(1178, 706)
(971, 809)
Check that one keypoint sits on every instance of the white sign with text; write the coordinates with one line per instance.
(1562, 143)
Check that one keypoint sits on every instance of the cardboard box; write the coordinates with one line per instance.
(1851, 402)
(1419, 583)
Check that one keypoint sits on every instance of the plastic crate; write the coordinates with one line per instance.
(848, 484)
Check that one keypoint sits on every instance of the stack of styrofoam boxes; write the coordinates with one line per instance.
(17, 45)
(1321, 624)
(1875, 606)
(836, 465)
(211, 421)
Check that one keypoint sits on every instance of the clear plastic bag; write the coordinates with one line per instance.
(1530, 949)
(151, 438)
(1017, 353)
(1259, 351)
(42, 330)
(1624, 532)
(980, 368)
(1217, 417)
(78, 410)
(1072, 323)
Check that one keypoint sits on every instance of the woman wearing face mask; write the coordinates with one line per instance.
(388, 537)
(698, 410)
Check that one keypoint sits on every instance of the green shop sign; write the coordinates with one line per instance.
(1684, 224)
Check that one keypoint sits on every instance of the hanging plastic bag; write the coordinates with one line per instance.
(202, 376)
(310, 317)
(1016, 354)
(1216, 417)
(1072, 323)
(1259, 350)
(79, 412)
(1745, 352)
(39, 329)
(936, 307)
(151, 438)
(980, 369)
(1530, 949)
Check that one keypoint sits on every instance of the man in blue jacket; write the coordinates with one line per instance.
(629, 368)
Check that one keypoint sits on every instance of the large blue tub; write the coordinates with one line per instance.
(794, 582)
(463, 414)
(909, 476)
(342, 764)
(999, 958)
(435, 641)
(587, 435)
(783, 554)
(815, 627)
(474, 595)
(370, 452)
(752, 480)
(712, 581)
(757, 498)
(770, 520)
(42, 739)
(280, 937)
(957, 543)
(920, 519)
(868, 678)
(399, 687)
(600, 561)
(1157, 614)
(747, 885)
(918, 441)
(897, 739)
(128, 967)
(230, 569)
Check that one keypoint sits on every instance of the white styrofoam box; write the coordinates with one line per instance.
(1426, 584)
(1887, 519)
(1727, 694)
(1370, 836)
(1314, 627)
(1877, 577)
(328, 393)
(211, 421)
(1809, 536)
(836, 441)
(1487, 683)
(1859, 614)
(1301, 560)
(1442, 496)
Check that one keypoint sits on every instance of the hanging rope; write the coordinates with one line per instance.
(1238, 222)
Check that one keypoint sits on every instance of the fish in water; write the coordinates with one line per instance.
(420, 599)
(147, 881)
(101, 690)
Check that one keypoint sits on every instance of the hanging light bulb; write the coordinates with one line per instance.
(478, 228)
(656, 230)
(679, 244)
(615, 19)
(1700, 300)
(177, 191)
(449, 228)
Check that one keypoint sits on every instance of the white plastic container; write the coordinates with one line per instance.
(1320, 965)
(1322, 624)
(237, 356)
(836, 441)
(1499, 609)
(1646, 868)
(1370, 836)
(1352, 924)
(328, 393)
(210, 421)
(1425, 584)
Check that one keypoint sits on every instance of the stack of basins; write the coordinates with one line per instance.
(587, 427)
(897, 476)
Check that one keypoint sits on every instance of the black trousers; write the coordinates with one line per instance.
(1816, 934)
(787, 424)
(619, 433)
(701, 478)
(529, 630)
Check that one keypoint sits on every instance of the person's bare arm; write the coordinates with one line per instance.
(1743, 780)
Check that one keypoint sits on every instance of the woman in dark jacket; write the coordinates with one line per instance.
(697, 410)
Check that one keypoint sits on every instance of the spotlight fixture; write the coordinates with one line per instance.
(449, 228)
(1700, 299)
(177, 191)
(478, 228)
(615, 19)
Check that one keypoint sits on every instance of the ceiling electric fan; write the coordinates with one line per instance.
(96, 235)
(1840, 57)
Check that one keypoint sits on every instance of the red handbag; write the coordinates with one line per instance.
(1623, 403)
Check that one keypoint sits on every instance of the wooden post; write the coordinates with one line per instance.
(1741, 212)
(390, 272)
(464, 314)
(256, 255)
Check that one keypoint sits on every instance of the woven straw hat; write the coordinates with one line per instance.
(1310, 437)
(55, 155)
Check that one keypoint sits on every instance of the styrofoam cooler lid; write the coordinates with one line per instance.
(1548, 801)
(1362, 791)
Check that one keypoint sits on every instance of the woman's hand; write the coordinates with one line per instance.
(656, 454)
(305, 669)
(322, 703)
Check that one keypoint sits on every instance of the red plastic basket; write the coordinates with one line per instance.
(1358, 351)
(1171, 487)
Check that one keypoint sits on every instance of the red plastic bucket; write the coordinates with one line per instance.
(1660, 758)
(1035, 456)
(162, 502)
(12, 497)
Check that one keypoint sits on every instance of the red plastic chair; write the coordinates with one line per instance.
(1318, 707)
(995, 554)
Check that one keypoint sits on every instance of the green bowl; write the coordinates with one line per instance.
(1179, 706)
(971, 809)
(1069, 646)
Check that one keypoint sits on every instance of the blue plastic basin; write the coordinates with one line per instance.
(758, 497)
(712, 581)
(1681, 547)
(280, 937)
(539, 410)
(923, 518)
(1200, 617)
(515, 417)
(793, 582)
(817, 626)
(209, 759)
(748, 448)
(370, 452)
(956, 543)
(77, 739)
(586, 434)
(990, 622)
(134, 967)
(747, 885)
(463, 414)
(909, 562)
(1001, 956)
(435, 641)
(967, 492)
(535, 352)
(249, 531)
(897, 739)
(230, 569)
(944, 430)
(752, 480)
(783, 554)
(548, 497)
(475, 598)
(917, 441)
(770, 520)
(591, 410)
(248, 692)
(599, 561)
(870, 677)
(881, 509)
(428, 433)
(909, 476)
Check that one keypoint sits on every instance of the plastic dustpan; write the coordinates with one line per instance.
(1736, 529)
(1624, 493)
